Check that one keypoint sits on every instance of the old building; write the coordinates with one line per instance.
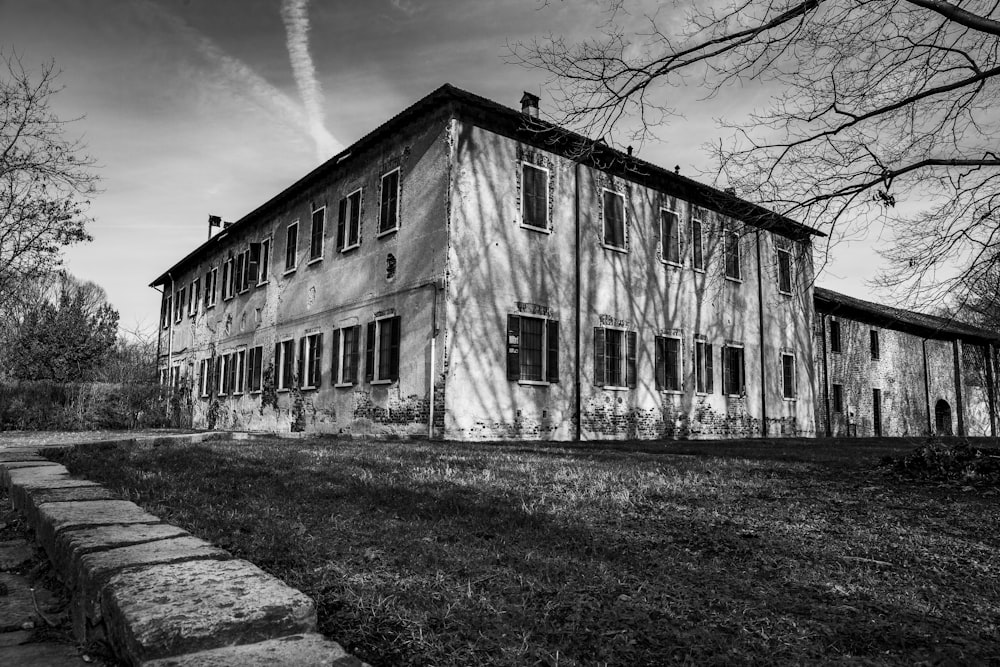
(888, 372)
(469, 271)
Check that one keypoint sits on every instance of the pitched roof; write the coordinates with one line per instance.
(909, 321)
(449, 101)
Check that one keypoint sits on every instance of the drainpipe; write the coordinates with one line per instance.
(433, 371)
(927, 390)
(826, 380)
(991, 397)
(578, 401)
(763, 357)
(956, 346)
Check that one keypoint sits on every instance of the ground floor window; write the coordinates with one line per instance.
(255, 369)
(382, 350)
(204, 377)
(310, 357)
(346, 355)
(614, 357)
(838, 398)
(668, 363)
(284, 364)
(703, 370)
(734, 377)
(532, 349)
(788, 375)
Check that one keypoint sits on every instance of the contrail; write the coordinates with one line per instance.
(293, 13)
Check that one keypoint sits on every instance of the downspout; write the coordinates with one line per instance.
(433, 370)
(991, 396)
(826, 381)
(578, 400)
(927, 390)
(763, 357)
(956, 346)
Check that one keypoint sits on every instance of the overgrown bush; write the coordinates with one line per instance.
(959, 463)
(48, 405)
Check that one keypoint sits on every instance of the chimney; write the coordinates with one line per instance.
(529, 104)
(731, 191)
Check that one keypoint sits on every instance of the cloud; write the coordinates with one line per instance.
(293, 13)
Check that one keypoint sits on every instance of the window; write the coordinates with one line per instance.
(239, 359)
(349, 222)
(179, 305)
(874, 343)
(668, 363)
(284, 364)
(204, 377)
(310, 357)
(175, 376)
(388, 218)
(291, 246)
(222, 365)
(784, 271)
(670, 236)
(703, 367)
(532, 349)
(534, 196)
(614, 357)
(316, 234)
(614, 220)
(242, 280)
(346, 355)
(227, 279)
(255, 368)
(211, 278)
(732, 250)
(838, 398)
(263, 261)
(834, 336)
(382, 350)
(697, 246)
(193, 302)
(732, 371)
(788, 375)
(165, 310)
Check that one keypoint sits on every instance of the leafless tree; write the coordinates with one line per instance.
(45, 180)
(881, 111)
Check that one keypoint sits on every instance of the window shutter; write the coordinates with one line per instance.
(513, 347)
(660, 363)
(355, 353)
(709, 371)
(341, 224)
(277, 365)
(370, 352)
(552, 370)
(394, 348)
(318, 361)
(600, 370)
(300, 368)
(211, 376)
(230, 372)
(630, 370)
(335, 353)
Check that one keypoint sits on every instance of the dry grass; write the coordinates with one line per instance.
(635, 554)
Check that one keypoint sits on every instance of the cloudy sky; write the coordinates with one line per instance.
(198, 107)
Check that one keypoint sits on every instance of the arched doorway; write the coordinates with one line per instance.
(942, 418)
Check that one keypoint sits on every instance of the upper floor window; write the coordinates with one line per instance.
(534, 196)
(211, 278)
(349, 221)
(291, 246)
(697, 245)
(242, 273)
(346, 355)
(614, 219)
(310, 358)
(227, 279)
(732, 252)
(668, 363)
(284, 364)
(788, 375)
(388, 219)
(614, 357)
(874, 343)
(733, 375)
(382, 350)
(532, 349)
(834, 336)
(784, 270)
(195, 301)
(263, 257)
(179, 305)
(316, 234)
(670, 236)
(703, 370)
(165, 311)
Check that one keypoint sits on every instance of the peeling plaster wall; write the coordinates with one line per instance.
(499, 267)
(341, 289)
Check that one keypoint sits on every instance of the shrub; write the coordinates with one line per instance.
(960, 462)
(48, 405)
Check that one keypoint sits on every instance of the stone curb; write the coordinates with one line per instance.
(156, 594)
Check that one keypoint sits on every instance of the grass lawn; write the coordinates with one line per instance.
(625, 554)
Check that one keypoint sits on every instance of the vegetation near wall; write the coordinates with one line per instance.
(48, 405)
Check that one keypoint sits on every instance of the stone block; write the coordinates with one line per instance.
(54, 518)
(14, 476)
(94, 569)
(298, 650)
(22, 492)
(72, 545)
(169, 610)
(10, 456)
(40, 496)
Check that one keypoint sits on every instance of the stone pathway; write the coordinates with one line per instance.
(156, 595)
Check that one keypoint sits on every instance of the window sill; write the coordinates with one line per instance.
(734, 280)
(698, 270)
(210, 307)
(343, 385)
(287, 271)
(667, 262)
(615, 248)
(671, 391)
(262, 283)
(790, 399)
(237, 393)
(534, 383)
(784, 293)
(255, 392)
(614, 388)
(309, 388)
(387, 232)
(283, 390)
(349, 248)
(532, 228)
(381, 382)
(314, 260)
